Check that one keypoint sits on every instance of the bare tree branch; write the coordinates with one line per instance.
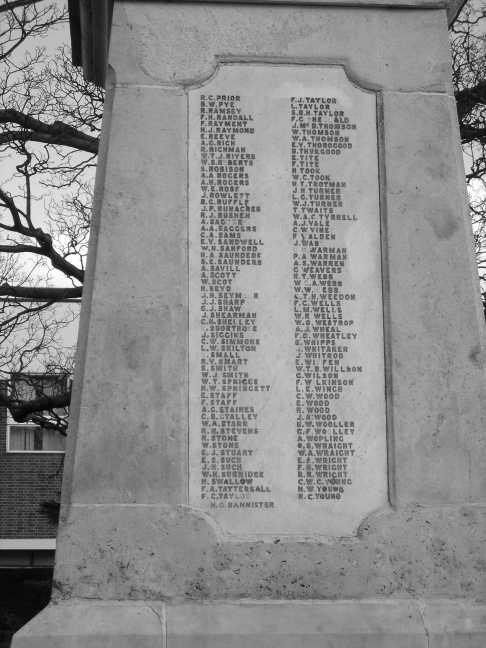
(57, 133)
(21, 410)
(472, 133)
(49, 129)
(51, 294)
(9, 5)
(469, 98)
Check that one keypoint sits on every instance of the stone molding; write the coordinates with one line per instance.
(90, 24)
(392, 623)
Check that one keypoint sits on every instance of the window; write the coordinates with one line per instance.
(27, 436)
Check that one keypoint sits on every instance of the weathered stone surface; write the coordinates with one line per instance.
(436, 327)
(161, 552)
(128, 532)
(398, 623)
(338, 624)
(139, 299)
(174, 43)
(92, 624)
(118, 536)
(287, 427)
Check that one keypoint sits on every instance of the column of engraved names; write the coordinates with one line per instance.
(229, 332)
(323, 336)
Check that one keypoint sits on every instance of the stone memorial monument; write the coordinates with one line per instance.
(278, 432)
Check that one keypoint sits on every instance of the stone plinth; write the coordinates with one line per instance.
(141, 559)
(331, 624)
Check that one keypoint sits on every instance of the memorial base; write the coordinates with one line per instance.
(399, 623)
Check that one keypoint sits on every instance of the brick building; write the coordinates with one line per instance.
(31, 461)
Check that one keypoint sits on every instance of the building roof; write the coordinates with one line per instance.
(90, 23)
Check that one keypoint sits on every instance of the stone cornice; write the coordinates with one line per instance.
(90, 23)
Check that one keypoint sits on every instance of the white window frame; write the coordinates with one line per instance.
(10, 422)
(17, 544)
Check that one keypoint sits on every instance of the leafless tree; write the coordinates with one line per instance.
(49, 129)
(468, 45)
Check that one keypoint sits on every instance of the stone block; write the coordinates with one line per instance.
(181, 43)
(97, 624)
(397, 623)
(139, 563)
(436, 325)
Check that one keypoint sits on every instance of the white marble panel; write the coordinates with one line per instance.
(287, 432)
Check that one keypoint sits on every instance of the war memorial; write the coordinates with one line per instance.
(278, 433)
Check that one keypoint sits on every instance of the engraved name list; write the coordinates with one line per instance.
(286, 375)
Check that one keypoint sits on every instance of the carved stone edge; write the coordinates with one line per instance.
(416, 623)
(90, 24)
